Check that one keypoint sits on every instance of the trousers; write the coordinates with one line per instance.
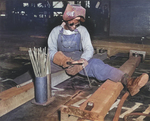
(97, 69)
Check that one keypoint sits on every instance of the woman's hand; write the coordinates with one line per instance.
(76, 66)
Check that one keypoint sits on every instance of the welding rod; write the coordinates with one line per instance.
(36, 59)
(33, 62)
(39, 61)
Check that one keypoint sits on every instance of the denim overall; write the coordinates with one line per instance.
(71, 46)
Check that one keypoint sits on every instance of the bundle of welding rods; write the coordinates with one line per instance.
(40, 61)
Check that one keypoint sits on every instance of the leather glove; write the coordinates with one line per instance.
(61, 60)
(74, 69)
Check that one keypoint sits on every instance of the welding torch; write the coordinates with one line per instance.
(71, 63)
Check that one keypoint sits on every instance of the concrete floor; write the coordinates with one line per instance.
(15, 62)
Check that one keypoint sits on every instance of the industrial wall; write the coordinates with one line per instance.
(130, 18)
(43, 15)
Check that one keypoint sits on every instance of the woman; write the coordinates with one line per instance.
(70, 48)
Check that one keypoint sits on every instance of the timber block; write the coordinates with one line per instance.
(102, 98)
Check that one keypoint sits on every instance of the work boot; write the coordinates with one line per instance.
(134, 84)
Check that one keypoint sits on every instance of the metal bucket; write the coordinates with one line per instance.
(41, 90)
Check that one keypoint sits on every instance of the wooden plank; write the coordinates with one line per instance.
(122, 47)
(141, 118)
(104, 96)
(14, 97)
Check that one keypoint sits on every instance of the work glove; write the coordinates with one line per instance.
(74, 68)
(61, 60)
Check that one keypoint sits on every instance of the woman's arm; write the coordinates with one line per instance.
(88, 50)
(52, 41)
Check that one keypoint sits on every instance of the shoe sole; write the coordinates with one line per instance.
(143, 80)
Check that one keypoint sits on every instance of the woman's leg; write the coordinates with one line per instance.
(101, 71)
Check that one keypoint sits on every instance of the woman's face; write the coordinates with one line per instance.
(72, 24)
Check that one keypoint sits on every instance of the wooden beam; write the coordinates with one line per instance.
(104, 96)
(14, 97)
(122, 47)
(130, 65)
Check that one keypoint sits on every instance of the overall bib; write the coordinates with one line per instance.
(71, 46)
